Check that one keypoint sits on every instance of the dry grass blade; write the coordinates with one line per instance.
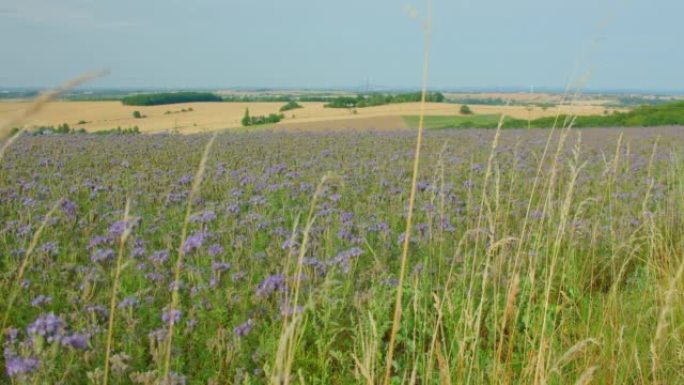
(572, 352)
(662, 320)
(115, 288)
(587, 376)
(288, 339)
(396, 319)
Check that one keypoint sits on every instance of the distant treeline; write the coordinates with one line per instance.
(671, 114)
(480, 101)
(169, 98)
(65, 129)
(370, 100)
(631, 101)
(245, 99)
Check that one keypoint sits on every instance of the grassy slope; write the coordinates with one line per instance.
(671, 114)
(458, 121)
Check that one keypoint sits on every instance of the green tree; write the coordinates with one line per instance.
(137, 114)
(246, 120)
(465, 110)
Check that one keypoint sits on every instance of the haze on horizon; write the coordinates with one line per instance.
(622, 44)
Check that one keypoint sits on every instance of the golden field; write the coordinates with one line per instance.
(101, 115)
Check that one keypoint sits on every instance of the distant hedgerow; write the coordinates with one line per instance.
(157, 99)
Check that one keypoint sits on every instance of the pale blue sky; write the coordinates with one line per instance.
(623, 44)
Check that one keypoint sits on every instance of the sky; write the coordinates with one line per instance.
(474, 44)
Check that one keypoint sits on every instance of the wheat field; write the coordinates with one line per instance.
(103, 115)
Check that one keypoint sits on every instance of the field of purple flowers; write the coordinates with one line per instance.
(534, 259)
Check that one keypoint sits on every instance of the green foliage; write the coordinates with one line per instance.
(250, 98)
(458, 121)
(11, 132)
(465, 110)
(671, 114)
(291, 105)
(157, 99)
(361, 101)
(261, 119)
(137, 115)
(64, 129)
(119, 131)
(246, 120)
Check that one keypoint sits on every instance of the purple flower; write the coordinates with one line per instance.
(138, 252)
(215, 250)
(97, 241)
(102, 255)
(290, 244)
(271, 284)
(128, 302)
(47, 325)
(346, 217)
(244, 328)
(205, 217)
(41, 300)
(68, 207)
(160, 256)
(19, 366)
(319, 266)
(343, 258)
(234, 208)
(185, 179)
(117, 229)
(380, 227)
(98, 310)
(193, 242)
(49, 248)
(171, 317)
(447, 226)
(76, 341)
(220, 266)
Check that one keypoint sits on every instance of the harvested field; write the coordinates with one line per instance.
(215, 116)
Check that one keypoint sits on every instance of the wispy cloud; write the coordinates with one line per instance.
(75, 14)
